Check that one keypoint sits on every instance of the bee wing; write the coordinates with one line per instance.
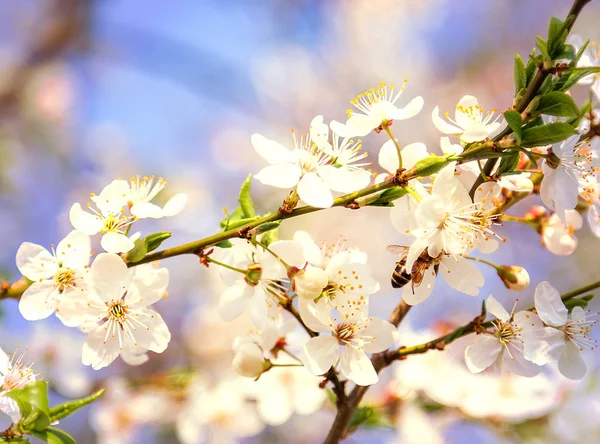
(417, 273)
(400, 250)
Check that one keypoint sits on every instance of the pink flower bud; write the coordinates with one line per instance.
(249, 360)
(515, 278)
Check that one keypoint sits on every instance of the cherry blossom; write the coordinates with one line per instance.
(117, 316)
(109, 219)
(506, 343)
(565, 336)
(558, 237)
(55, 275)
(376, 107)
(468, 123)
(356, 334)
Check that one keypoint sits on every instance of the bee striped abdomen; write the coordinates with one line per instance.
(401, 276)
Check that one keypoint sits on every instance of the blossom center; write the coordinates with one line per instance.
(64, 278)
(117, 311)
(579, 331)
(253, 274)
(18, 373)
(345, 332)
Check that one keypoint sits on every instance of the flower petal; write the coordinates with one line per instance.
(383, 334)
(344, 179)
(442, 125)
(283, 175)
(153, 334)
(175, 204)
(273, 152)
(496, 308)
(146, 210)
(549, 305)
(319, 354)
(114, 242)
(482, 353)
(38, 301)
(413, 108)
(74, 250)
(359, 125)
(571, 364)
(462, 275)
(35, 262)
(314, 192)
(417, 294)
(98, 353)
(357, 367)
(234, 300)
(110, 276)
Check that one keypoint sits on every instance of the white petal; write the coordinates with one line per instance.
(482, 353)
(153, 334)
(450, 148)
(83, 221)
(549, 305)
(134, 359)
(175, 204)
(114, 242)
(359, 125)
(388, 157)
(319, 132)
(98, 353)
(413, 108)
(308, 313)
(344, 179)
(578, 314)
(416, 295)
(38, 301)
(462, 275)
(258, 308)
(494, 307)
(314, 192)
(35, 262)
(151, 288)
(475, 135)
(74, 250)
(146, 210)
(273, 152)
(319, 354)
(412, 153)
(357, 367)
(110, 276)
(518, 365)
(113, 197)
(234, 300)
(466, 119)
(383, 334)
(442, 125)
(284, 175)
(544, 345)
(571, 364)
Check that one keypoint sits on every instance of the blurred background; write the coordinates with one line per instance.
(91, 91)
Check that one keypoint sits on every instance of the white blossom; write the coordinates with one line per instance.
(565, 336)
(469, 122)
(109, 218)
(376, 107)
(117, 314)
(56, 275)
(589, 58)
(506, 343)
(558, 237)
(356, 334)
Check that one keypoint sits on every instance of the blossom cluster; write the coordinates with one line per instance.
(106, 300)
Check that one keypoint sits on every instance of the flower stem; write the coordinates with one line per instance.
(221, 264)
(387, 129)
(483, 261)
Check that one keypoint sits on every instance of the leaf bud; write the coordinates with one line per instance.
(310, 282)
(515, 278)
(430, 165)
(249, 360)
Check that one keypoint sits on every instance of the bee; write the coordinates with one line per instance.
(402, 276)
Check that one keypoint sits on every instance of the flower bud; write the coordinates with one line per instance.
(430, 165)
(515, 278)
(310, 282)
(249, 361)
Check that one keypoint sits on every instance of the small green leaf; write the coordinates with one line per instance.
(63, 410)
(547, 134)
(154, 240)
(547, 85)
(430, 165)
(138, 252)
(530, 68)
(508, 164)
(368, 416)
(52, 435)
(245, 198)
(514, 120)
(224, 244)
(267, 226)
(520, 74)
(389, 195)
(575, 75)
(581, 50)
(568, 53)
(557, 35)
(240, 222)
(32, 400)
(230, 218)
(575, 302)
(557, 103)
(543, 47)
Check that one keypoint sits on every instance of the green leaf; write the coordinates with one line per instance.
(568, 52)
(52, 435)
(557, 35)
(32, 400)
(515, 121)
(508, 164)
(520, 74)
(245, 198)
(530, 68)
(368, 416)
(557, 103)
(575, 302)
(430, 165)
(547, 134)
(543, 47)
(230, 218)
(138, 252)
(224, 244)
(63, 410)
(581, 50)
(267, 226)
(153, 241)
(547, 85)
(576, 75)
